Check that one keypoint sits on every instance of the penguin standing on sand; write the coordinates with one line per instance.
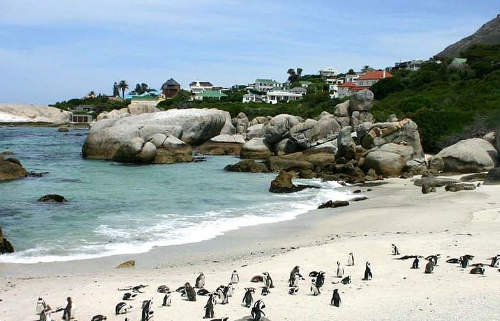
(350, 260)
(478, 270)
(429, 267)
(336, 301)
(340, 270)
(147, 312)
(235, 278)
(122, 308)
(320, 279)
(368, 272)
(268, 280)
(257, 310)
(200, 281)
(415, 263)
(167, 299)
(247, 298)
(395, 250)
(495, 261)
(314, 289)
(128, 296)
(293, 291)
(295, 270)
(209, 307)
(190, 292)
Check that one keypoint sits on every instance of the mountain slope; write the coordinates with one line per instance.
(489, 34)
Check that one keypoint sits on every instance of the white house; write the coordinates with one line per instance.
(276, 96)
(252, 98)
(265, 85)
(197, 87)
(327, 72)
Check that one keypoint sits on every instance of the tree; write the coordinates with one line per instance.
(91, 94)
(123, 86)
(299, 72)
(366, 68)
(116, 91)
(351, 72)
(293, 75)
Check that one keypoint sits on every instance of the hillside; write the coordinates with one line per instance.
(489, 34)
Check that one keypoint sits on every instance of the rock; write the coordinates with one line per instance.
(63, 129)
(467, 156)
(52, 198)
(456, 187)
(435, 181)
(114, 114)
(5, 245)
(126, 264)
(344, 121)
(242, 123)
(329, 127)
(342, 109)
(260, 120)
(279, 127)
(473, 177)
(293, 161)
(285, 146)
(303, 134)
(346, 144)
(492, 177)
(255, 148)
(333, 204)
(255, 131)
(359, 117)
(248, 166)
(173, 150)
(490, 138)
(392, 118)
(327, 147)
(222, 145)
(426, 189)
(388, 160)
(361, 101)
(137, 109)
(359, 198)
(497, 138)
(23, 113)
(283, 184)
(123, 139)
(11, 168)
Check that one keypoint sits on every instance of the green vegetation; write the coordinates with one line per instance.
(448, 104)
(99, 104)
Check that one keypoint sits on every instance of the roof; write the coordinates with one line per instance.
(170, 82)
(348, 84)
(211, 94)
(375, 75)
(305, 82)
(202, 84)
(266, 81)
(152, 95)
(459, 60)
(328, 69)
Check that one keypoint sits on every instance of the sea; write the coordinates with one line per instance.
(116, 208)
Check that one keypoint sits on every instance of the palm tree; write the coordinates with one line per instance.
(123, 86)
(116, 91)
(91, 94)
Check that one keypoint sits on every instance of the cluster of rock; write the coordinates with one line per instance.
(11, 168)
(24, 113)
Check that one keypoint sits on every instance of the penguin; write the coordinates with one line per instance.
(429, 267)
(99, 317)
(346, 280)
(190, 292)
(40, 306)
(293, 291)
(350, 260)
(200, 281)
(295, 270)
(167, 299)
(268, 280)
(122, 308)
(203, 292)
(257, 278)
(395, 250)
(247, 298)
(415, 263)
(495, 261)
(295, 280)
(464, 261)
(163, 289)
(453, 260)
(225, 291)
(314, 289)
(336, 301)
(45, 316)
(320, 279)
(478, 270)
(230, 290)
(209, 307)
(368, 272)
(340, 270)
(313, 274)
(235, 277)
(265, 291)
(147, 312)
(223, 319)
(256, 311)
(128, 296)
(434, 258)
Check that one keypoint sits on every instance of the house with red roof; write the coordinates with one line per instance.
(364, 81)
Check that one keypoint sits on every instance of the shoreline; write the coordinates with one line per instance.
(396, 212)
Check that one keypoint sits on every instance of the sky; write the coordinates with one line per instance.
(55, 50)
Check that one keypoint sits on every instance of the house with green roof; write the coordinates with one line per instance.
(151, 98)
(265, 85)
(213, 94)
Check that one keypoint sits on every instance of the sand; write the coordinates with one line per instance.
(451, 224)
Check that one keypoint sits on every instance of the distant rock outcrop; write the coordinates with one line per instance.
(488, 34)
(23, 113)
(11, 168)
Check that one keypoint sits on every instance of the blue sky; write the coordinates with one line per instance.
(54, 50)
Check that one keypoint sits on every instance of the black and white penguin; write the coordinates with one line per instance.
(167, 299)
(320, 279)
(350, 260)
(40, 306)
(147, 310)
(295, 280)
(45, 315)
(268, 280)
(395, 250)
(225, 291)
(200, 281)
(429, 267)
(295, 270)
(434, 258)
(99, 317)
(230, 290)
(346, 280)
(209, 307)
(415, 263)
(453, 260)
(257, 312)
(190, 292)
(257, 278)
(336, 301)
(163, 289)
(340, 270)
(313, 274)
(128, 296)
(122, 308)
(203, 292)
(293, 291)
(368, 272)
(235, 278)
(247, 298)
(495, 261)
(478, 270)
(265, 291)
(464, 261)
(314, 289)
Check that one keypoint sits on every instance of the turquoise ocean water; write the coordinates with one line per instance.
(122, 209)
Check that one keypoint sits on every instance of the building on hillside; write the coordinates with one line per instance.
(265, 85)
(278, 96)
(371, 77)
(408, 65)
(299, 90)
(328, 72)
(352, 77)
(305, 83)
(213, 94)
(151, 98)
(252, 98)
(197, 87)
(458, 63)
(115, 98)
(346, 89)
(81, 118)
(170, 88)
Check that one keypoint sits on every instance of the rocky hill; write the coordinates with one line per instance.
(489, 34)
(24, 113)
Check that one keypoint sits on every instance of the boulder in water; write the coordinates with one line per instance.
(52, 198)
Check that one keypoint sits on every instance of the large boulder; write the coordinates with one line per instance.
(256, 148)
(493, 177)
(305, 133)
(5, 245)
(293, 161)
(11, 168)
(345, 143)
(279, 127)
(359, 117)
(283, 183)
(124, 139)
(342, 109)
(467, 156)
(361, 101)
(137, 109)
(255, 131)
(242, 123)
(388, 160)
(172, 150)
(24, 113)
(285, 146)
(328, 125)
(248, 166)
(114, 114)
(222, 145)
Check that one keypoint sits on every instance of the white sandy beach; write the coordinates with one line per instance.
(451, 224)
